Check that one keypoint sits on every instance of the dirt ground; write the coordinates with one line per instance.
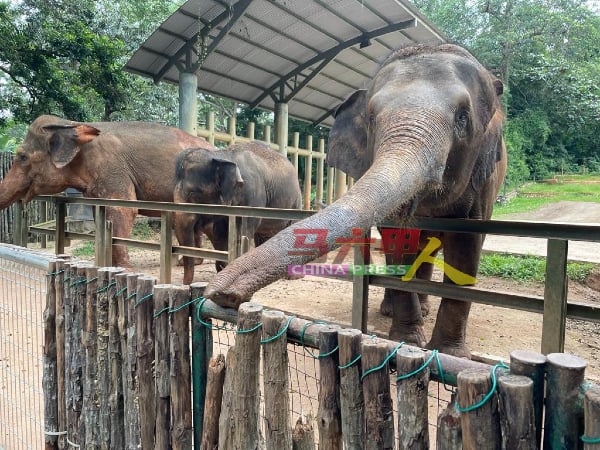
(491, 331)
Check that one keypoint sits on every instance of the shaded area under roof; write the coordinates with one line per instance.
(310, 54)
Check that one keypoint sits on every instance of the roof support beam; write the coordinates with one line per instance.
(230, 16)
(332, 53)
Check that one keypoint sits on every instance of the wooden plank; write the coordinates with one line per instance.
(91, 414)
(555, 297)
(49, 380)
(115, 359)
(360, 286)
(214, 397)
(517, 415)
(352, 405)
(166, 246)
(162, 367)
(100, 238)
(591, 405)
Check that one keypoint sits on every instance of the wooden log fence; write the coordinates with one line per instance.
(120, 372)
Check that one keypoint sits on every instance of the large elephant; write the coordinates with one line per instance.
(429, 131)
(247, 174)
(119, 160)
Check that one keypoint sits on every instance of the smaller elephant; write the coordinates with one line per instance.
(247, 174)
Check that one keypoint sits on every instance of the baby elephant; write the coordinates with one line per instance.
(248, 174)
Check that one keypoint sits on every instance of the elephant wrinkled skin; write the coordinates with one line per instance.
(247, 174)
(118, 160)
(425, 140)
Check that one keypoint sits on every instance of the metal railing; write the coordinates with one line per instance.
(554, 304)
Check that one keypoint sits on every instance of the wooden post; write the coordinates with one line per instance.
(413, 426)
(250, 130)
(303, 436)
(296, 145)
(517, 416)
(234, 237)
(564, 416)
(166, 246)
(481, 426)
(130, 382)
(108, 236)
(210, 124)
(308, 172)
(227, 419)
(91, 414)
(352, 404)
(231, 129)
(145, 357)
(116, 405)
(555, 297)
(245, 398)
(180, 373)
(320, 170)
(267, 134)
(329, 415)
(49, 381)
(591, 406)
(449, 431)
(100, 239)
(533, 366)
(202, 352)
(379, 416)
(214, 397)
(162, 366)
(74, 357)
(330, 184)
(60, 347)
(360, 285)
(278, 434)
(340, 183)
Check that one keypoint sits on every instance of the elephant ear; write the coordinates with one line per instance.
(347, 148)
(229, 180)
(65, 141)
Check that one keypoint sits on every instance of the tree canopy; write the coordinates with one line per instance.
(65, 57)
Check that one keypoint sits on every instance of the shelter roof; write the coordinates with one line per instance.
(310, 54)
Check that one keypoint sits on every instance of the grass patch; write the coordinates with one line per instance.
(142, 231)
(85, 249)
(532, 196)
(527, 268)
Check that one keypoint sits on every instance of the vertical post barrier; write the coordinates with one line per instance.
(533, 366)
(480, 426)
(413, 426)
(231, 129)
(215, 379)
(352, 405)
(115, 359)
(379, 414)
(296, 145)
(251, 130)
(276, 382)
(202, 344)
(91, 413)
(166, 246)
(162, 367)
(145, 356)
(49, 380)
(449, 431)
(331, 172)
(60, 346)
(267, 134)
(329, 419)
(180, 370)
(591, 407)
(308, 172)
(360, 284)
(555, 297)
(235, 237)
(340, 183)
(210, 124)
(517, 416)
(131, 383)
(320, 171)
(100, 239)
(563, 418)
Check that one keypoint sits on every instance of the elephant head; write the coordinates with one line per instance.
(424, 139)
(41, 163)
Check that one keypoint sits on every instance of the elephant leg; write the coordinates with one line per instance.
(407, 319)
(219, 239)
(185, 225)
(462, 252)
(122, 223)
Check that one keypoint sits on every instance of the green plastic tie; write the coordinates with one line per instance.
(351, 363)
(587, 440)
(130, 296)
(382, 365)
(279, 333)
(51, 274)
(107, 287)
(206, 324)
(91, 280)
(143, 299)
(75, 283)
(487, 396)
(307, 350)
(250, 330)
(119, 292)
(420, 369)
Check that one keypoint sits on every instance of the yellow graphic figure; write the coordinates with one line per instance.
(455, 275)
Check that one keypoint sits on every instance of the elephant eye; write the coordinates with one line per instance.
(461, 123)
(21, 157)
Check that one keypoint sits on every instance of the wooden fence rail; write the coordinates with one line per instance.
(120, 374)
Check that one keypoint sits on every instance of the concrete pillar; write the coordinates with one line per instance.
(188, 102)
(281, 127)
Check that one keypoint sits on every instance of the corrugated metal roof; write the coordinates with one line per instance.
(310, 54)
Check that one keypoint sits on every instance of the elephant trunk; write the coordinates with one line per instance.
(12, 188)
(398, 175)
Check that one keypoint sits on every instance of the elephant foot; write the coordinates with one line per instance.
(425, 306)
(197, 261)
(386, 307)
(460, 350)
(412, 335)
